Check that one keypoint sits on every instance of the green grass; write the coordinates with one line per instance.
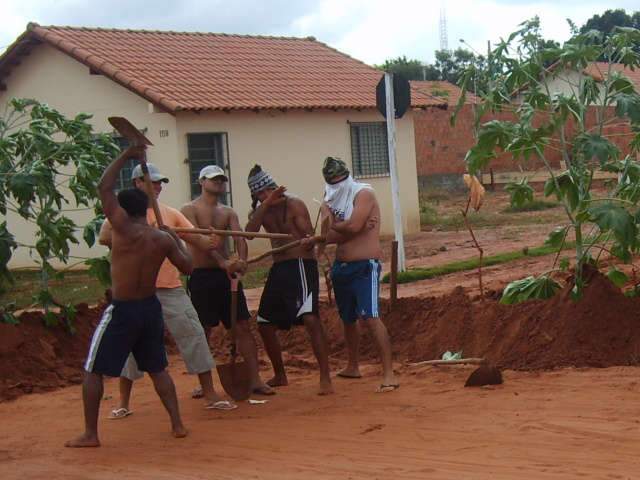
(76, 287)
(80, 287)
(429, 217)
(416, 274)
(255, 277)
(533, 206)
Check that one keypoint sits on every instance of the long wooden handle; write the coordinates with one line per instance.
(283, 248)
(150, 193)
(233, 233)
(462, 361)
(234, 319)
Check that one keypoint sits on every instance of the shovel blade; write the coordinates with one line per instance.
(235, 380)
(484, 375)
(125, 128)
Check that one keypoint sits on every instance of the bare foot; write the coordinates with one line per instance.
(179, 432)
(278, 381)
(326, 388)
(263, 389)
(212, 398)
(350, 373)
(83, 441)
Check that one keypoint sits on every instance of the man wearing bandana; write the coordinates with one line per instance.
(352, 221)
(290, 296)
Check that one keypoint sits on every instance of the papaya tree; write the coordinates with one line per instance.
(49, 167)
(572, 121)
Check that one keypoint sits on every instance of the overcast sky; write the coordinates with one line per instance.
(370, 30)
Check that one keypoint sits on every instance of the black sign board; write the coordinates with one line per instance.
(401, 96)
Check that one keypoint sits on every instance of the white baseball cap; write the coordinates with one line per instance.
(212, 171)
(154, 173)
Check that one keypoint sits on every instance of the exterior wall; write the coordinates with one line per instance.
(292, 146)
(65, 84)
(441, 148)
(565, 82)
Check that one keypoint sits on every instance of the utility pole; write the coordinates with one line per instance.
(393, 169)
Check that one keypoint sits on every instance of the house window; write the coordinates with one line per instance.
(207, 149)
(369, 150)
(124, 177)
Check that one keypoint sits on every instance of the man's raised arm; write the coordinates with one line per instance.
(107, 185)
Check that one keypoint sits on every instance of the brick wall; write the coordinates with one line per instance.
(441, 148)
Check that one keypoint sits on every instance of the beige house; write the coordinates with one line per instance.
(568, 82)
(233, 100)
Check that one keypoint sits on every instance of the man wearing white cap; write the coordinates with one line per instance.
(209, 284)
(180, 317)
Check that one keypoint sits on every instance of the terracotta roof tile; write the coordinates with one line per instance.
(206, 71)
(598, 70)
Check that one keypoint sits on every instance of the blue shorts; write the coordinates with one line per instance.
(357, 288)
(134, 326)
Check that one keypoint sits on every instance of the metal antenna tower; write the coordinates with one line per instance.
(444, 38)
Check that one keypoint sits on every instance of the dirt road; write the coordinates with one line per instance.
(563, 424)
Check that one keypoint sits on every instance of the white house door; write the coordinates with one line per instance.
(208, 149)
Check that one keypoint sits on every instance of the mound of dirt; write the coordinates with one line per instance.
(602, 329)
(34, 358)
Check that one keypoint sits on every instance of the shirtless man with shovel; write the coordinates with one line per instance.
(133, 321)
(210, 284)
(180, 317)
(290, 296)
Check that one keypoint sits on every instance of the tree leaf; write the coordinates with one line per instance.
(628, 104)
(556, 237)
(593, 145)
(568, 189)
(100, 268)
(613, 217)
(521, 192)
(618, 278)
(529, 288)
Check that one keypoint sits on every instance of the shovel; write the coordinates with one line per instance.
(235, 376)
(135, 137)
(485, 374)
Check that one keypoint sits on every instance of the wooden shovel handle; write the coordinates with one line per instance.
(234, 314)
(233, 233)
(150, 193)
(462, 361)
(283, 248)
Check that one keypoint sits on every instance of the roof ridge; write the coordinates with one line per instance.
(170, 32)
(345, 54)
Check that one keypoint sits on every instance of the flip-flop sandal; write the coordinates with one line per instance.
(197, 393)
(119, 413)
(388, 388)
(345, 375)
(221, 405)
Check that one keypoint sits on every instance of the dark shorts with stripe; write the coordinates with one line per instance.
(357, 288)
(290, 293)
(210, 291)
(133, 326)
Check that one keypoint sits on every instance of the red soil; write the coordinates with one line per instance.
(603, 329)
